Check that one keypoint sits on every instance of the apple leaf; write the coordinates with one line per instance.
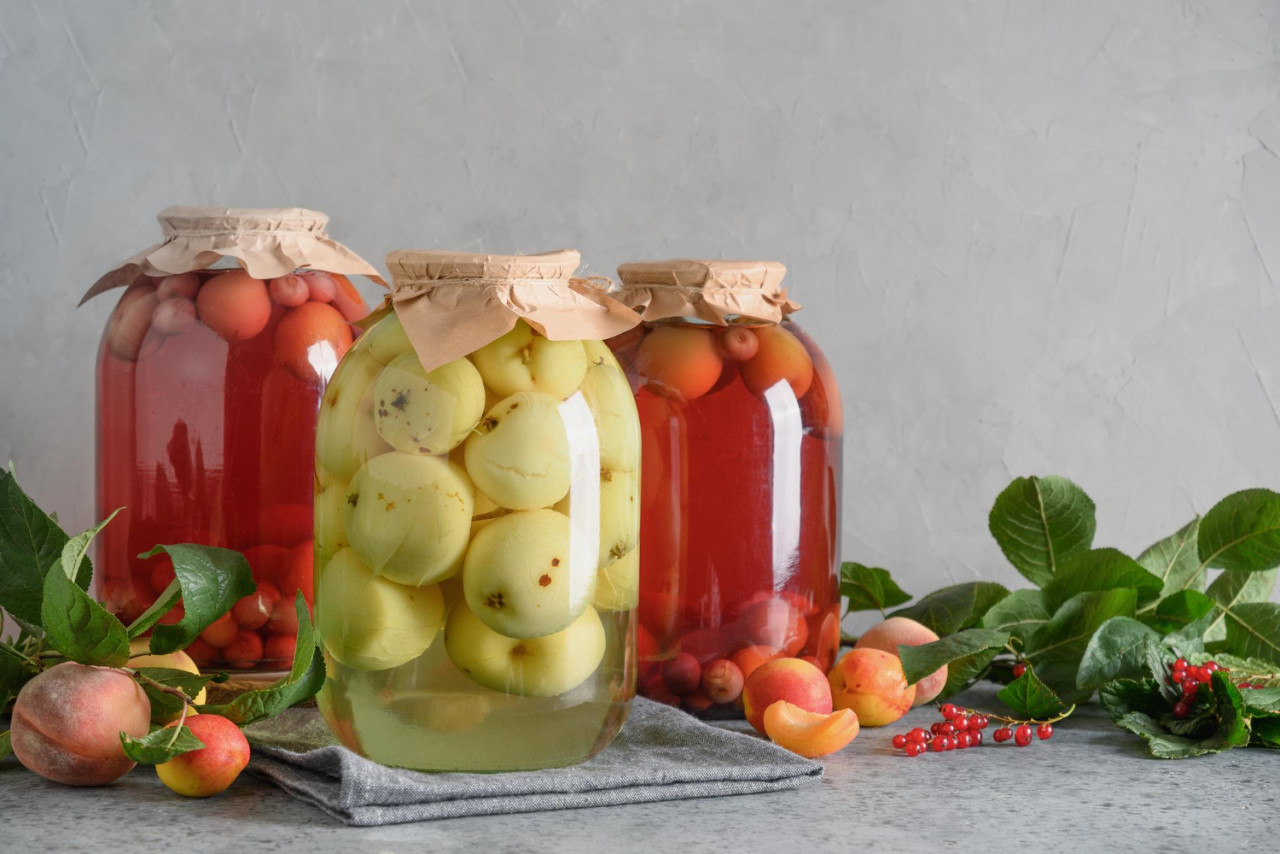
(1253, 630)
(30, 544)
(1177, 611)
(1057, 648)
(1116, 650)
(1230, 589)
(1264, 733)
(211, 580)
(869, 588)
(1260, 701)
(1100, 569)
(962, 672)
(160, 745)
(164, 706)
(1122, 696)
(1040, 522)
(1030, 698)
(78, 627)
(921, 661)
(1020, 613)
(1242, 532)
(1175, 560)
(954, 608)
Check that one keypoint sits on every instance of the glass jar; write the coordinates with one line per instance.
(477, 522)
(741, 436)
(209, 379)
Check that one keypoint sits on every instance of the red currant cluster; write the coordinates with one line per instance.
(1189, 679)
(960, 729)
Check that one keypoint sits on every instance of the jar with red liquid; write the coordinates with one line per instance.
(741, 459)
(210, 375)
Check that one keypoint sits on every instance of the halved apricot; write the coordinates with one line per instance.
(310, 341)
(235, 305)
(679, 362)
(781, 357)
(806, 733)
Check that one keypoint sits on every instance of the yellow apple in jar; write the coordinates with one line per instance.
(531, 667)
(613, 408)
(427, 413)
(519, 453)
(519, 578)
(523, 360)
(346, 435)
(330, 529)
(619, 514)
(385, 340)
(618, 584)
(371, 623)
(409, 517)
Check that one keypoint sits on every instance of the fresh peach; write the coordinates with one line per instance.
(347, 300)
(683, 674)
(289, 291)
(809, 734)
(781, 357)
(212, 768)
(679, 362)
(180, 285)
(722, 681)
(870, 681)
(244, 651)
(310, 341)
(173, 316)
(737, 343)
(320, 285)
(775, 622)
(280, 647)
(67, 722)
(129, 323)
(901, 631)
(789, 679)
(180, 660)
(221, 631)
(235, 305)
(751, 657)
(254, 610)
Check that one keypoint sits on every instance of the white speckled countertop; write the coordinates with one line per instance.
(1091, 788)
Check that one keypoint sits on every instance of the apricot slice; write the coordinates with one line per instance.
(310, 341)
(807, 733)
(780, 357)
(679, 362)
(289, 291)
(234, 305)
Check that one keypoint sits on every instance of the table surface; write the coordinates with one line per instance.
(1092, 787)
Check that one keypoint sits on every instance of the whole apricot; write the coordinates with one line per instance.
(280, 648)
(299, 573)
(212, 768)
(902, 631)
(129, 323)
(790, 679)
(320, 285)
(871, 682)
(289, 291)
(254, 610)
(235, 305)
(67, 722)
(174, 316)
(780, 357)
(775, 622)
(737, 343)
(221, 631)
(749, 658)
(310, 341)
(683, 674)
(679, 362)
(809, 734)
(244, 651)
(722, 681)
(346, 299)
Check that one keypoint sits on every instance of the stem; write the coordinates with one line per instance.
(182, 719)
(1008, 720)
(160, 686)
(14, 651)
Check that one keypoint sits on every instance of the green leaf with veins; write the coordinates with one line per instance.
(74, 558)
(160, 745)
(923, 660)
(869, 588)
(1230, 589)
(1121, 696)
(1040, 522)
(1253, 630)
(1260, 701)
(962, 672)
(165, 706)
(1100, 569)
(1175, 560)
(30, 543)
(212, 580)
(1265, 733)
(1177, 611)
(1057, 648)
(1031, 698)
(1241, 532)
(1020, 613)
(78, 627)
(951, 609)
(1117, 650)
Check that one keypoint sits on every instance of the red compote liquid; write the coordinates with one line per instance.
(739, 520)
(206, 434)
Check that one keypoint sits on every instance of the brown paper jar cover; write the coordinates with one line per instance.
(453, 303)
(268, 243)
(718, 292)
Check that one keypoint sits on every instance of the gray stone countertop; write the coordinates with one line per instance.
(1091, 788)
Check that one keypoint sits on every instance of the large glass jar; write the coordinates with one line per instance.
(209, 379)
(477, 520)
(741, 435)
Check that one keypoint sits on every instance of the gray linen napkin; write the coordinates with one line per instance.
(661, 754)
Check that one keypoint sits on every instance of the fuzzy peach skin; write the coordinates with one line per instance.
(67, 723)
(806, 733)
(902, 631)
(798, 682)
(212, 768)
(871, 682)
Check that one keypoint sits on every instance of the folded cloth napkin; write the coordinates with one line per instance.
(661, 754)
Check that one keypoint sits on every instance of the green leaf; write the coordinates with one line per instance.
(30, 543)
(1057, 648)
(1121, 696)
(1178, 610)
(1039, 522)
(80, 628)
(212, 580)
(1166, 745)
(164, 604)
(1260, 701)
(1031, 698)
(1100, 569)
(1175, 560)
(962, 672)
(1116, 650)
(1265, 733)
(921, 661)
(1253, 630)
(1230, 589)
(165, 706)
(1020, 613)
(74, 558)
(1242, 532)
(1246, 667)
(160, 745)
(14, 673)
(303, 682)
(954, 608)
(869, 588)
(6, 744)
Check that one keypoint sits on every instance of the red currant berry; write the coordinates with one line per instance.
(1002, 734)
(1243, 685)
(948, 729)
(975, 737)
(917, 734)
(936, 727)
(1044, 732)
(1181, 709)
(1212, 667)
(948, 711)
(1019, 669)
(914, 748)
(963, 741)
(1180, 664)
(960, 722)
(1022, 735)
(1199, 674)
(899, 741)
(1177, 676)
(978, 722)
(940, 743)
(1190, 686)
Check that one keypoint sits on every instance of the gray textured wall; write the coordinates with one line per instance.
(1032, 237)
